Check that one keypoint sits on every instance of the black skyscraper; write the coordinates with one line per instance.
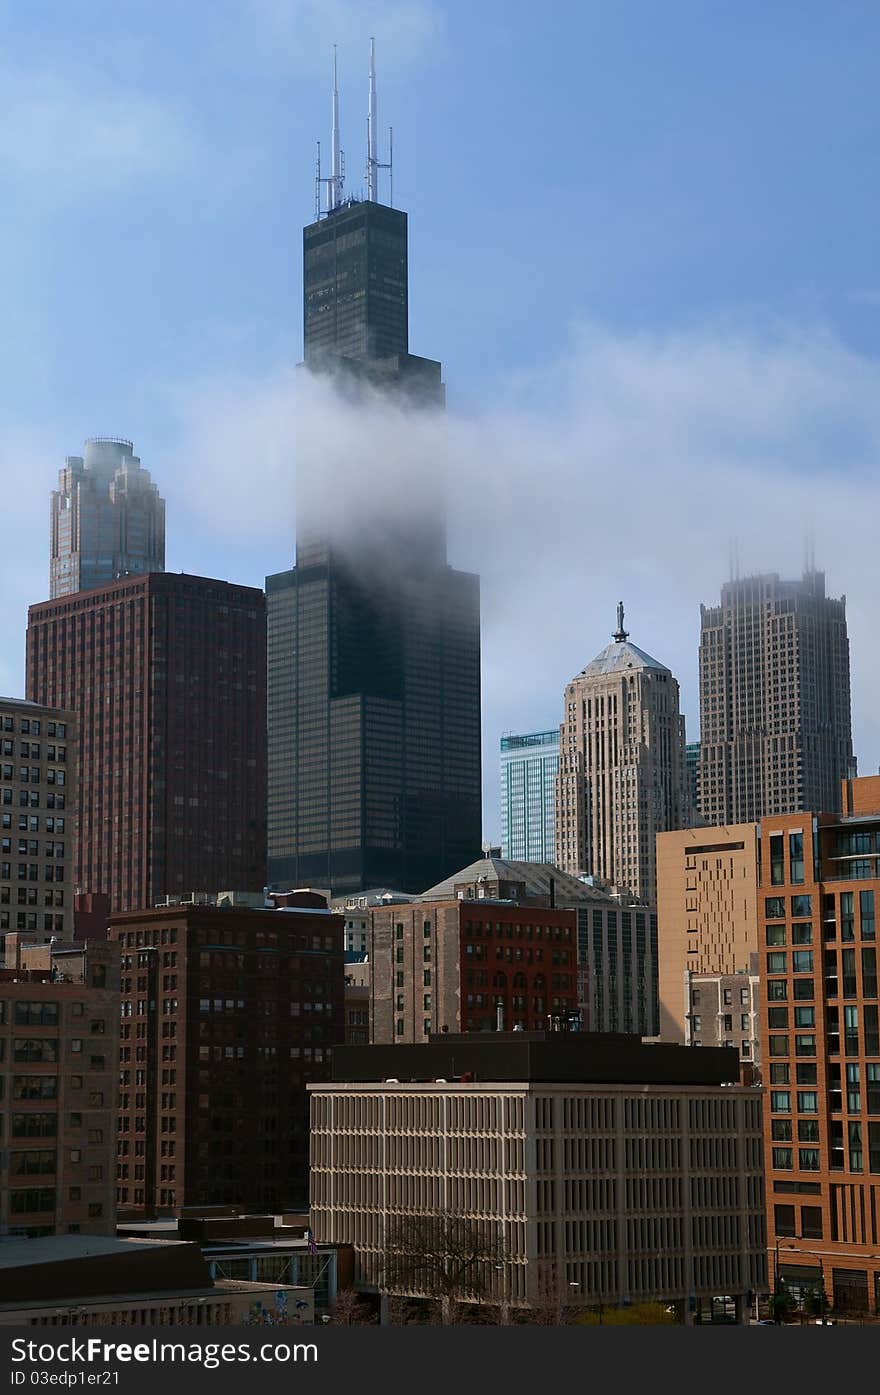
(374, 641)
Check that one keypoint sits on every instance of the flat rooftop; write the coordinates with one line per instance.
(50, 1249)
(54, 1268)
(586, 1058)
(182, 1297)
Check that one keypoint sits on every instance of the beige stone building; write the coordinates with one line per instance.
(621, 774)
(723, 1010)
(594, 1165)
(707, 912)
(356, 910)
(38, 808)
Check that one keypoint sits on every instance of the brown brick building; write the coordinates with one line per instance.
(452, 964)
(227, 1013)
(167, 674)
(58, 1090)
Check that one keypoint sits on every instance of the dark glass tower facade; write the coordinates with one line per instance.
(355, 284)
(374, 641)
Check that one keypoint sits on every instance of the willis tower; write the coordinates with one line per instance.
(374, 640)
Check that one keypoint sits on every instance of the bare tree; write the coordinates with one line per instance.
(349, 1309)
(450, 1259)
(551, 1307)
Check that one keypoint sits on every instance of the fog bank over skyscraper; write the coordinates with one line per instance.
(374, 640)
(107, 519)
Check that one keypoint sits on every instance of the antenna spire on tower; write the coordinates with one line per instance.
(809, 552)
(374, 164)
(620, 634)
(335, 180)
(335, 189)
(372, 128)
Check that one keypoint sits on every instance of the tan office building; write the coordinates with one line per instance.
(707, 912)
(592, 1165)
(621, 767)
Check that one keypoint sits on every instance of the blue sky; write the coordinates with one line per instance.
(643, 241)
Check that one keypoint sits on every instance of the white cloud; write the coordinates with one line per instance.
(298, 31)
(656, 454)
(74, 128)
(29, 463)
(653, 455)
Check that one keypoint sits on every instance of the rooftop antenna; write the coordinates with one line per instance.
(336, 179)
(374, 164)
(809, 551)
(620, 634)
(372, 157)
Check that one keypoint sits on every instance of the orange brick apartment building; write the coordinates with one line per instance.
(820, 888)
(798, 895)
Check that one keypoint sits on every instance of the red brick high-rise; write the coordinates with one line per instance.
(167, 674)
(227, 1013)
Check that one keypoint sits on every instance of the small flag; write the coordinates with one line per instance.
(313, 1246)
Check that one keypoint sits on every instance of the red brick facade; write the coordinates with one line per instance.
(227, 1013)
(167, 674)
(451, 964)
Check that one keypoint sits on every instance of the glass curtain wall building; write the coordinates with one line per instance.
(529, 766)
(374, 641)
(107, 519)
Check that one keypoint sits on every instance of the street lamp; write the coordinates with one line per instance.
(779, 1291)
(501, 1270)
(822, 1295)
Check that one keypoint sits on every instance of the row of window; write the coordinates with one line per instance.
(30, 872)
(32, 775)
(32, 726)
(30, 799)
(801, 962)
(30, 823)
